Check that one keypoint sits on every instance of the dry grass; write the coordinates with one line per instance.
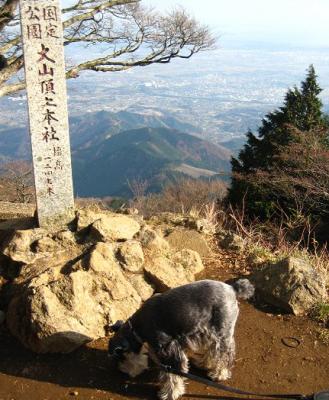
(98, 204)
(323, 335)
(187, 196)
(272, 241)
(320, 313)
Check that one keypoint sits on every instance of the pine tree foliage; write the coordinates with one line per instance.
(301, 109)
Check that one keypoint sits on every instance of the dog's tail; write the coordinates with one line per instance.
(243, 289)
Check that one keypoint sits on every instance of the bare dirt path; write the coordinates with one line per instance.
(264, 362)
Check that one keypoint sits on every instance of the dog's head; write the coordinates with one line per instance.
(123, 341)
(127, 349)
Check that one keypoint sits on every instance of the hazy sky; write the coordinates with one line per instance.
(295, 22)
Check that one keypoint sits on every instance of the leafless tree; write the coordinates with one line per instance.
(17, 181)
(129, 34)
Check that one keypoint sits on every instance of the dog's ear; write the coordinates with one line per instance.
(115, 327)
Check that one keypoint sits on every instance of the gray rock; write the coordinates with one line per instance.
(231, 241)
(291, 284)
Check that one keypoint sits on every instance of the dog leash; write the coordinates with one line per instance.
(323, 395)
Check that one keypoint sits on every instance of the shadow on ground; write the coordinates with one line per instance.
(88, 367)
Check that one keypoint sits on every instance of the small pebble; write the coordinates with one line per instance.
(75, 393)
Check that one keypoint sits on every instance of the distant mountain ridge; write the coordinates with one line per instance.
(157, 155)
(88, 129)
(109, 149)
(92, 128)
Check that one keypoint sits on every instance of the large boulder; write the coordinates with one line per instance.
(60, 310)
(168, 272)
(291, 284)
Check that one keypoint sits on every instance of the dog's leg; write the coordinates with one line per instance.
(172, 386)
(220, 359)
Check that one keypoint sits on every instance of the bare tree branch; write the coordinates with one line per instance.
(129, 34)
(7, 12)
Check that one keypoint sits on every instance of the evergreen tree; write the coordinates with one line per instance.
(302, 110)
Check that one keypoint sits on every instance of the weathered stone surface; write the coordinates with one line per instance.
(18, 247)
(86, 217)
(45, 245)
(102, 258)
(167, 273)
(188, 239)
(132, 256)
(143, 289)
(231, 241)
(152, 241)
(201, 225)
(60, 310)
(190, 261)
(114, 227)
(65, 237)
(291, 284)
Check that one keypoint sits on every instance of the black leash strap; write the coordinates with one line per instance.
(220, 386)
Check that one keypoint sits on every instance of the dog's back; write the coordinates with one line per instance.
(185, 308)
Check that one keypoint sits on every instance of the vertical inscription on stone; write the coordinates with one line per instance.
(47, 102)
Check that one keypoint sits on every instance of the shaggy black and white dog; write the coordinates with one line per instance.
(194, 322)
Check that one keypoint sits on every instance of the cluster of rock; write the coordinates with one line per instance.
(72, 285)
(67, 287)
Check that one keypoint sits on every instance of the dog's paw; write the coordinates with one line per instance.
(162, 395)
(221, 375)
(173, 388)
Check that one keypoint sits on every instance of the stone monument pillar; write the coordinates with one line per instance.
(42, 34)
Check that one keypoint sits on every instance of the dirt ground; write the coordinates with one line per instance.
(275, 353)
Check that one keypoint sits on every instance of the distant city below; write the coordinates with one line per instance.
(221, 93)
